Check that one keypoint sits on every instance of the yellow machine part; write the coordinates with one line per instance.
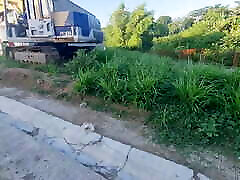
(12, 5)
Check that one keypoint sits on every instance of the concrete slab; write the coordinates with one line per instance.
(101, 154)
(77, 135)
(23, 158)
(142, 165)
(109, 158)
(54, 127)
(109, 153)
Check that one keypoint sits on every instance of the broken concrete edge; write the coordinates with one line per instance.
(39, 135)
(126, 160)
(105, 171)
(90, 143)
(40, 119)
(109, 172)
(20, 155)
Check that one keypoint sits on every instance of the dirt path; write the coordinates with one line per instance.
(126, 130)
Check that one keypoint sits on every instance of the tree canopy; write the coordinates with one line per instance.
(115, 32)
(215, 29)
(164, 20)
(129, 29)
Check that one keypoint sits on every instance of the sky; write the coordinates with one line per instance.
(174, 8)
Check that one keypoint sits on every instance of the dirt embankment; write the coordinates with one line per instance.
(127, 125)
(18, 77)
(35, 81)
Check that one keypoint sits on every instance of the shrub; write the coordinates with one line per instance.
(83, 60)
(191, 103)
(86, 81)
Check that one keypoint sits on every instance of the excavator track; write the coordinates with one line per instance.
(34, 54)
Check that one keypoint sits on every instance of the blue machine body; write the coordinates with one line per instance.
(78, 24)
(61, 21)
(71, 19)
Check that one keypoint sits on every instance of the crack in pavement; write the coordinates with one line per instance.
(32, 133)
(26, 128)
(126, 160)
(108, 172)
(91, 143)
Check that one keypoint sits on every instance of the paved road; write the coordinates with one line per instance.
(23, 158)
(36, 145)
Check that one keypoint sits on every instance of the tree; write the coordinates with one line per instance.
(175, 27)
(160, 30)
(108, 33)
(115, 32)
(187, 23)
(160, 27)
(138, 29)
(164, 20)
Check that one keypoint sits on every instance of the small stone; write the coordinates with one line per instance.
(172, 148)
(202, 177)
(83, 105)
(88, 126)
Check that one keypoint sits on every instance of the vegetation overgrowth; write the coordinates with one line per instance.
(216, 36)
(213, 31)
(190, 103)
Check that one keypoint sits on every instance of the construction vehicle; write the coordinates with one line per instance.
(41, 30)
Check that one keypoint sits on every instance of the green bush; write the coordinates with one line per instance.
(83, 60)
(191, 103)
(216, 37)
(86, 81)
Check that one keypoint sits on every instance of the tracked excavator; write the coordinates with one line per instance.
(39, 31)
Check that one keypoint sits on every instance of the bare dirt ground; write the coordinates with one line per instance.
(123, 124)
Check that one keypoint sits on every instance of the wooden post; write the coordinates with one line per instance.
(236, 59)
(5, 17)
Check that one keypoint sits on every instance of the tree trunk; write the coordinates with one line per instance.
(236, 59)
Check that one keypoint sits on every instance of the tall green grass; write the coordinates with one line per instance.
(190, 103)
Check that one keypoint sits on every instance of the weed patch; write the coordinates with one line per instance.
(195, 104)
(190, 103)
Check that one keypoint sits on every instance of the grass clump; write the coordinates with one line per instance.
(190, 103)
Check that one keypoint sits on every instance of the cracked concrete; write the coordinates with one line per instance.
(157, 168)
(108, 158)
(126, 160)
(24, 158)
